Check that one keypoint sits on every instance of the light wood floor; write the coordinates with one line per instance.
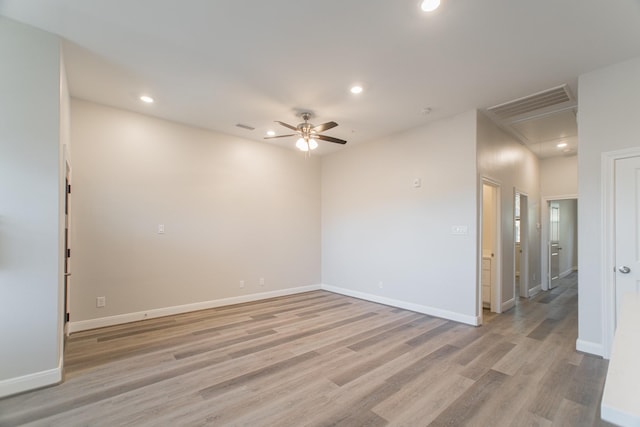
(322, 359)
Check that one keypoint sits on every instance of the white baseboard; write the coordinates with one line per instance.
(83, 325)
(566, 273)
(508, 305)
(445, 314)
(535, 290)
(30, 382)
(590, 347)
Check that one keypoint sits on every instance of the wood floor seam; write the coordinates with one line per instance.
(320, 359)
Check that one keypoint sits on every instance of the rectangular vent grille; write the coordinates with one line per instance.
(537, 101)
(247, 127)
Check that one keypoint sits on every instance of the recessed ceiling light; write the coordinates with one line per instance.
(430, 5)
(146, 99)
(562, 145)
(271, 133)
(356, 89)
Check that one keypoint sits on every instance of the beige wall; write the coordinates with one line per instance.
(31, 113)
(377, 228)
(559, 177)
(232, 210)
(507, 162)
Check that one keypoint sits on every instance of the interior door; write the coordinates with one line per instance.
(521, 244)
(627, 216)
(554, 244)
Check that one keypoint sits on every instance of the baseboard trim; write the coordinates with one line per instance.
(590, 347)
(535, 290)
(102, 322)
(566, 273)
(432, 311)
(30, 382)
(508, 305)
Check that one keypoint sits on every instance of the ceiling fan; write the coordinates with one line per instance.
(309, 133)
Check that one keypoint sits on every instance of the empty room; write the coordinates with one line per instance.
(340, 213)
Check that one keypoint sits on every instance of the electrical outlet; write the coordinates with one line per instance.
(242, 283)
(262, 281)
(101, 302)
(380, 285)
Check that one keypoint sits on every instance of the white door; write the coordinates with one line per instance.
(554, 244)
(627, 217)
(521, 255)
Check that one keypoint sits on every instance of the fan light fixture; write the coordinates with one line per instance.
(430, 5)
(308, 134)
(562, 145)
(146, 99)
(304, 145)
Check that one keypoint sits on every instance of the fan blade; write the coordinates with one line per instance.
(330, 139)
(280, 136)
(324, 126)
(287, 125)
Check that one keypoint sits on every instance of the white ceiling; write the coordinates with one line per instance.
(214, 64)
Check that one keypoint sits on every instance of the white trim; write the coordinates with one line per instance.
(607, 252)
(566, 273)
(30, 382)
(560, 197)
(507, 305)
(101, 322)
(617, 416)
(424, 309)
(589, 347)
(535, 290)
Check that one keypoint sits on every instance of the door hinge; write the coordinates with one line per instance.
(67, 317)
(68, 253)
(68, 188)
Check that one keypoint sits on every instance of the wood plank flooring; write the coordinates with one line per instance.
(321, 359)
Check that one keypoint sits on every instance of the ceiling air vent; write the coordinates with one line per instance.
(546, 100)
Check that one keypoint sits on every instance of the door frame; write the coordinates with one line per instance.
(607, 253)
(67, 238)
(524, 246)
(496, 283)
(544, 246)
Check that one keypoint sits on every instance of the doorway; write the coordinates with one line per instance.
(67, 247)
(490, 292)
(621, 224)
(521, 244)
(562, 239)
(627, 218)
